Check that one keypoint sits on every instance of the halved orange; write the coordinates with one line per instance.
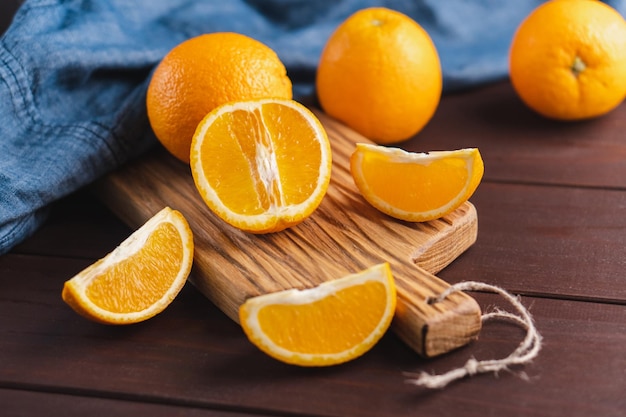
(140, 277)
(261, 165)
(415, 187)
(332, 323)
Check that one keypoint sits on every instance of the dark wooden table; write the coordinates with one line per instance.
(552, 228)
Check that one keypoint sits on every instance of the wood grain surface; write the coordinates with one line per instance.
(550, 231)
(343, 236)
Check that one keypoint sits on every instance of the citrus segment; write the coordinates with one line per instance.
(261, 165)
(415, 186)
(204, 72)
(139, 278)
(332, 323)
(568, 59)
(380, 74)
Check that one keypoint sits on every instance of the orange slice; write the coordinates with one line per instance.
(140, 277)
(332, 323)
(261, 165)
(415, 187)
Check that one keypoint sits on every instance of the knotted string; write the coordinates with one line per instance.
(527, 350)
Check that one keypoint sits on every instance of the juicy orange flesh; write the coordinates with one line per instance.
(268, 165)
(316, 328)
(121, 288)
(412, 187)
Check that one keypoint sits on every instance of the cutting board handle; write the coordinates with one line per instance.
(432, 329)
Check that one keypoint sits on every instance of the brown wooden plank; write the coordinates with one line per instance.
(522, 243)
(343, 236)
(549, 241)
(79, 226)
(519, 146)
(23, 402)
(193, 355)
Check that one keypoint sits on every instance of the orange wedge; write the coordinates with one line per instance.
(140, 277)
(261, 165)
(332, 323)
(415, 187)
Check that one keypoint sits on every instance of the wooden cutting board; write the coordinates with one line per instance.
(343, 236)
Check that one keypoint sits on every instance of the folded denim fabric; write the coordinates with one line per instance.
(73, 75)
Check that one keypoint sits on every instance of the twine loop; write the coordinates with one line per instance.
(527, 350)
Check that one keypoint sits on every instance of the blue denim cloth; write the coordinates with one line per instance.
(73, 75)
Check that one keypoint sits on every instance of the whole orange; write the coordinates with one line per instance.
(204, 72)
(379, 73)
(568, 59)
